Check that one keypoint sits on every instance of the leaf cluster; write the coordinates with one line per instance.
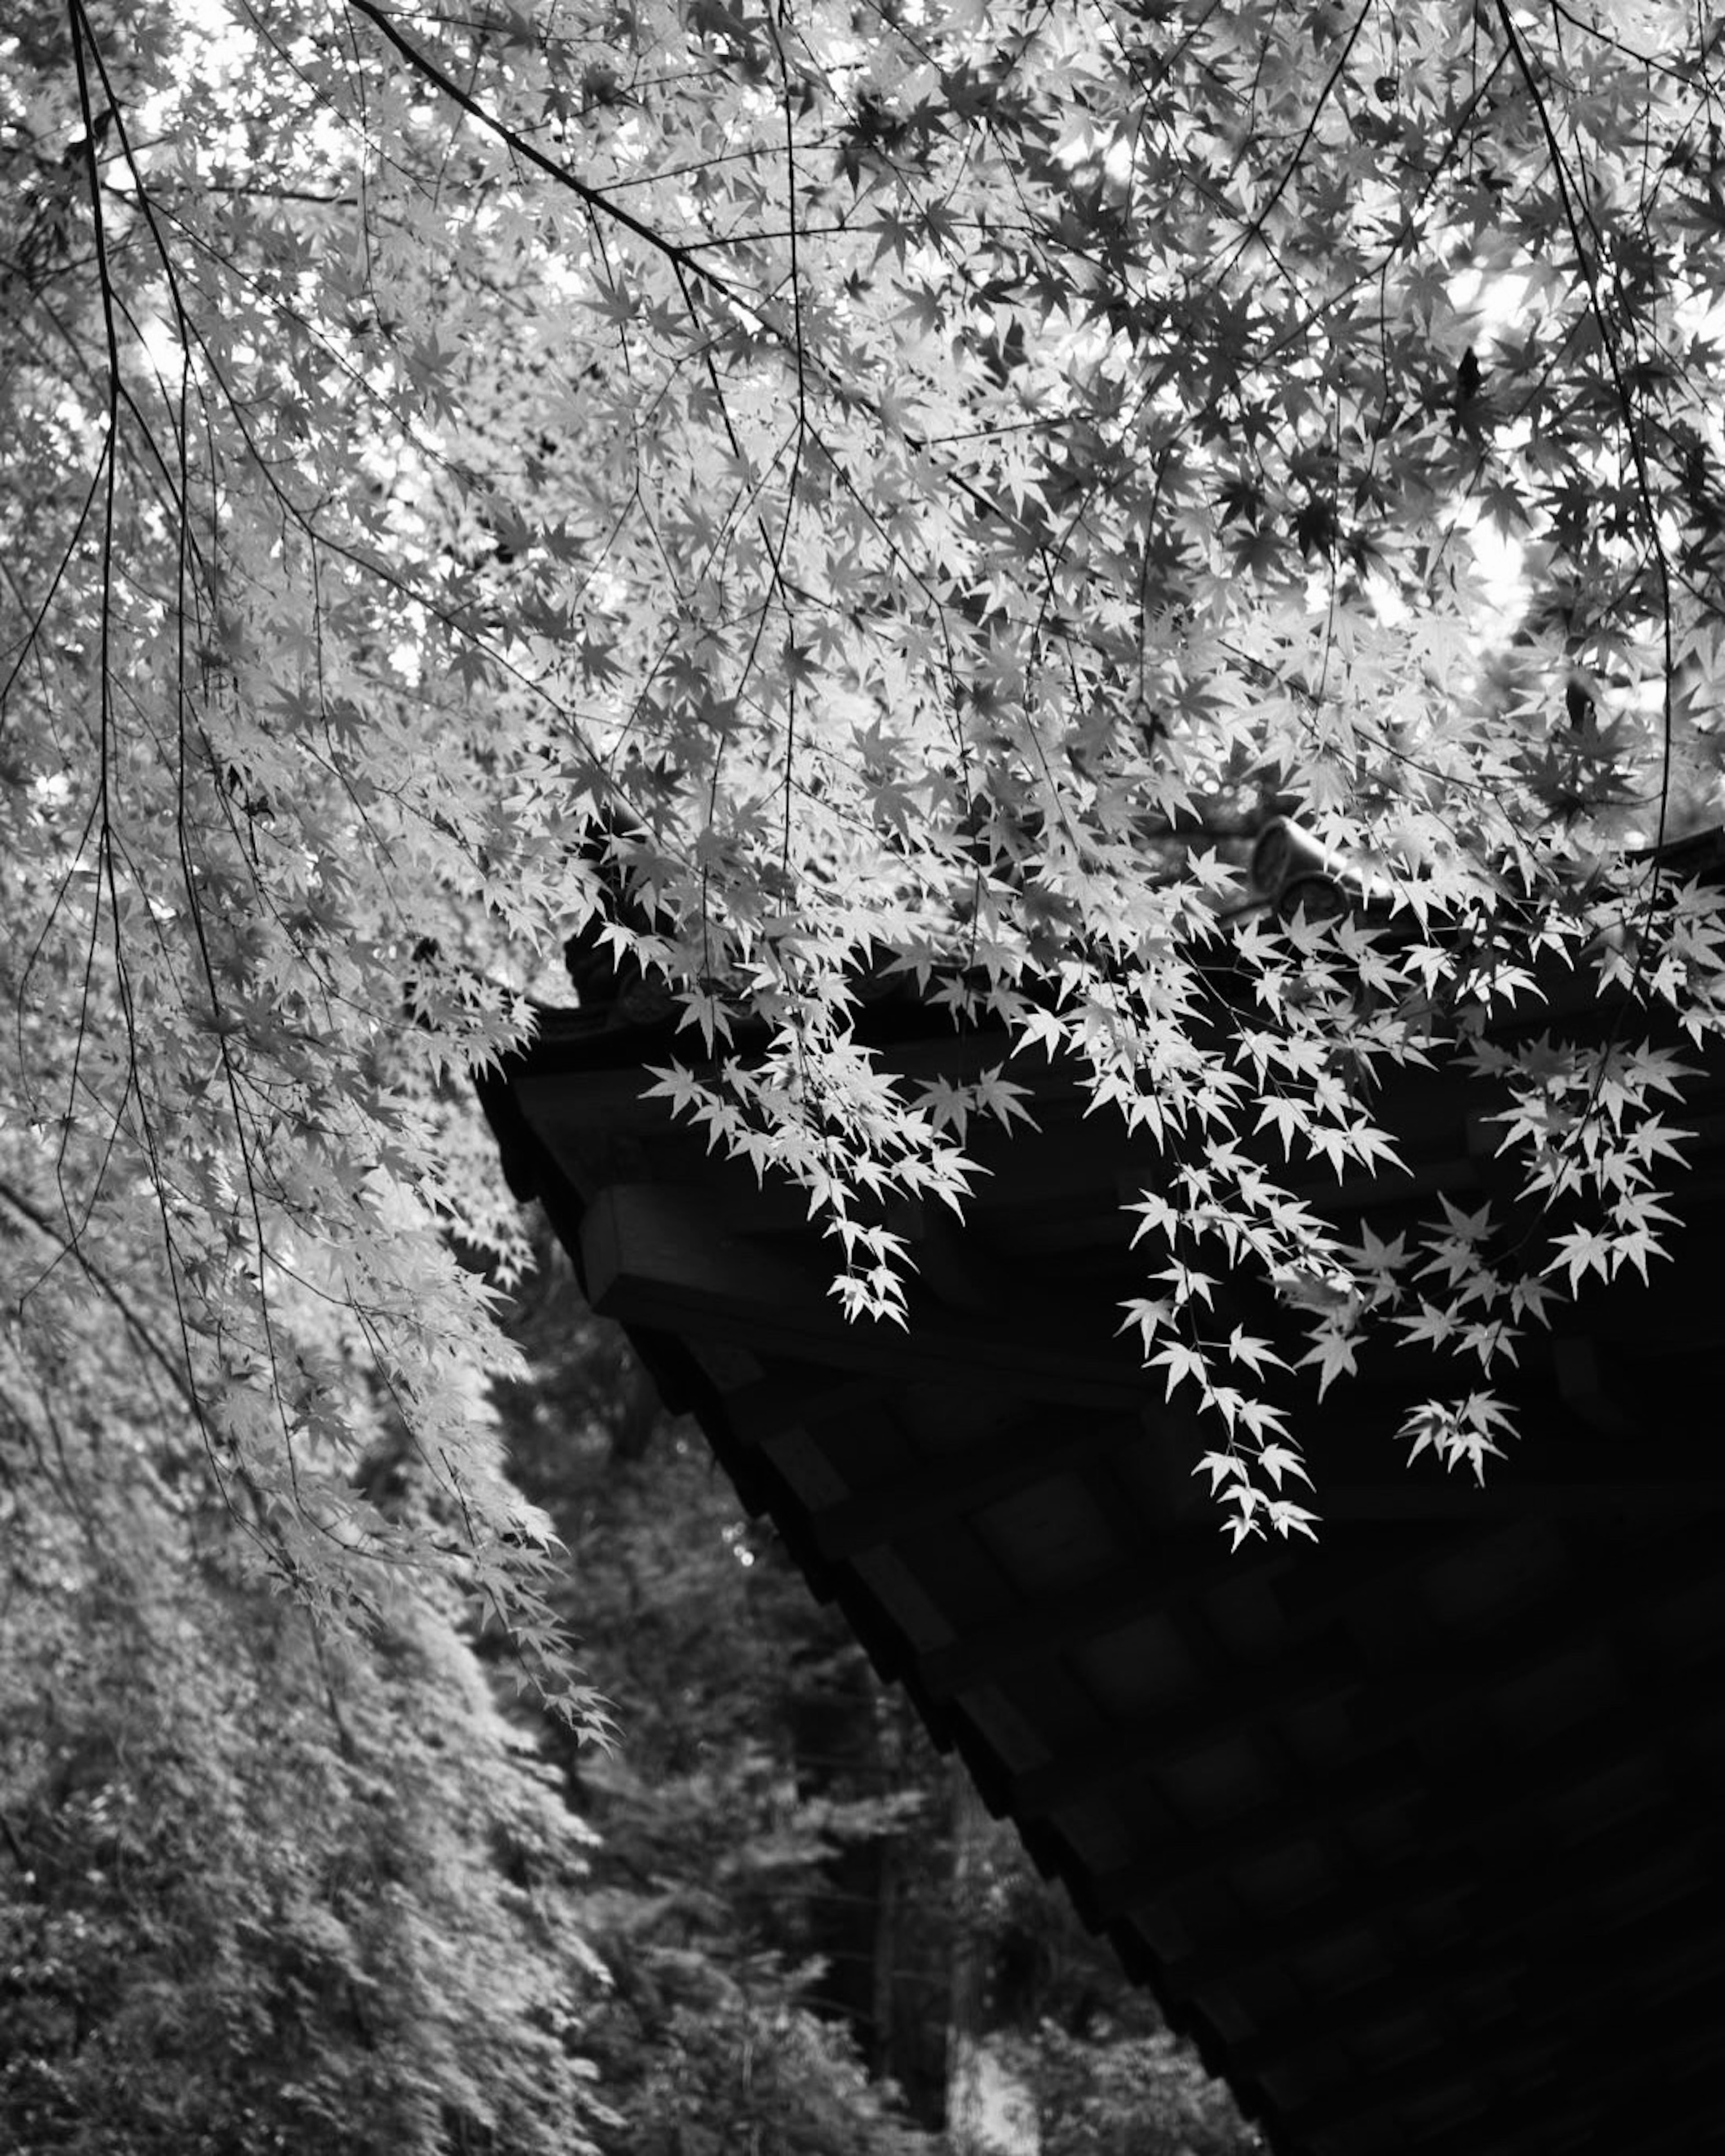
(783, 501)
(260, 1889)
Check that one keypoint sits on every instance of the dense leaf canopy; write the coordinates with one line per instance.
(787, 492)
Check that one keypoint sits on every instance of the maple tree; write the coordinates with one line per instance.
(783, 493)
(263, 1885)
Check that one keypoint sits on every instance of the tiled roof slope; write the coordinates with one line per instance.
(1417, 1832)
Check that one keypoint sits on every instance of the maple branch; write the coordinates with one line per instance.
(278, 194)
(595, 198)
(681, 256)
(1572, 219)
(1650, 61)
(790, 492)
(101, 818)
(72, 1247)
(83, 33)
(1255, 229)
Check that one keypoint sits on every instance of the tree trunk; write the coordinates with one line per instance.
(965, 2121)
(886, 2021)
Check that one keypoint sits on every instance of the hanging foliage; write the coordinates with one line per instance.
(787, 493)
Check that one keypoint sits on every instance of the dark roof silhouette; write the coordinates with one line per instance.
(1417, 1831)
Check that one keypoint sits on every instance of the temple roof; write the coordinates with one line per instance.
(1416, 1831)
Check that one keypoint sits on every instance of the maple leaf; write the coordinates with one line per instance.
(1181, 1362)
(1335, 1350)
(1460, 1433)
(1223, 1468)
(1277, 1461)
(1256, 1355)
(1583, 1250)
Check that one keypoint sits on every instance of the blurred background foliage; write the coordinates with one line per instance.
(262, 1889)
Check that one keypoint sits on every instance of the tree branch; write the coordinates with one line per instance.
(595, 198)
(69, 1247)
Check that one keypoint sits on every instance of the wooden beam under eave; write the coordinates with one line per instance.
(1557, 1768)
(652, 1255)
(1482, 1959)
(948, 1485)
(1254, 1943)
(1506, 2121)
(1182, 1858)
(582, 1106)
(1499, 1953)
(1191, 1569)
(1166, 1571)
(1421, 2078)
(1495, 1953)
(1525, 1895)
(796, 1396)
(1465, 1668)
(1363, 1899)
(1651, 2078)
(1676, 2110)
(1286, 1686)
(1467, 1505)
(1378, 1776)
